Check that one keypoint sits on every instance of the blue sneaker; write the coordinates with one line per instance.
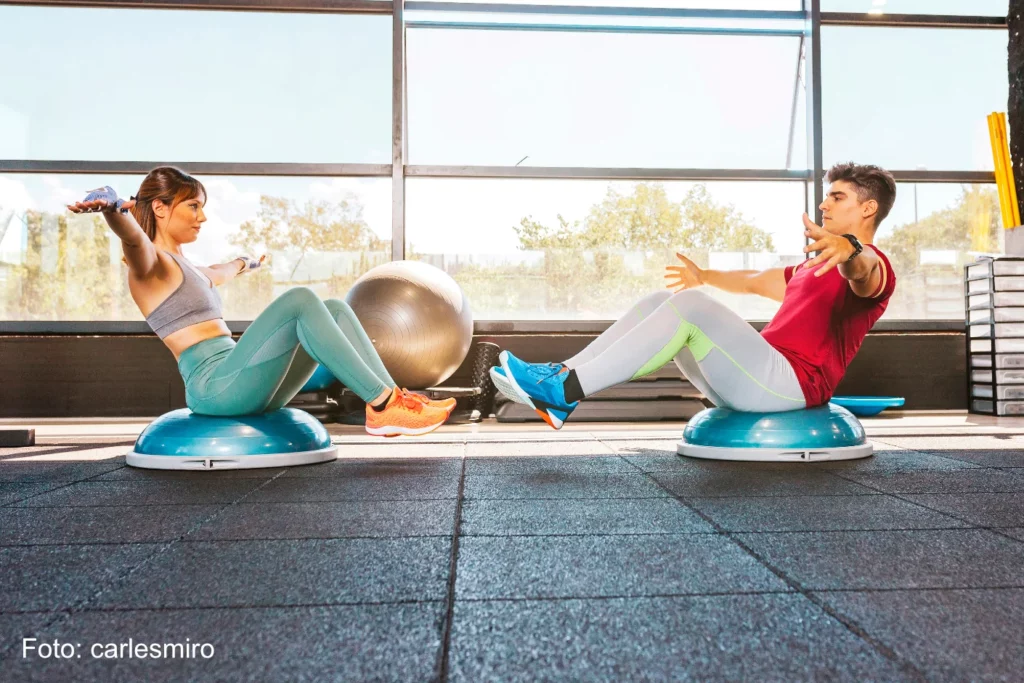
(507, 387)
(538, 385)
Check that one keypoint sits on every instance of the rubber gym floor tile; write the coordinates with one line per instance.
(12, 493)
(1017, 532)
(50, 471)
(896, 461)
(982, 509)
(950, 635)
(503, 467)
(1010, 459)
(50, 577)
(958, 442)
(589, 516)
(975, 480)
(961, 558)
(735, 637)
(282, 573)
(360, 486)
(607, 566)
(13, 629)
(820, 513)
(363, 642)
(23, 451)
(103, 493)
(138, 474)
(657, 462)
(559, 448)
(400, 449)
(562, 485)
(146, 523)
(384, 466)
(331, 520)
(729, 479)
(645, 448)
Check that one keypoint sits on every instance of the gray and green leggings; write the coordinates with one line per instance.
(278, 353)
(717, 351)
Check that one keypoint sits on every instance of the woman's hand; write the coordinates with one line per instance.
(248, 263)
(101, 199)
(686, 276)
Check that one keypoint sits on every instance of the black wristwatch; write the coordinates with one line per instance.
(857, 247)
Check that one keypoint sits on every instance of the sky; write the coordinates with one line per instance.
(252, 87)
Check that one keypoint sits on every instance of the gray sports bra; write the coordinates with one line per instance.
(194, 301)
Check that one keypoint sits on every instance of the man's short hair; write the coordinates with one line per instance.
(872, 182)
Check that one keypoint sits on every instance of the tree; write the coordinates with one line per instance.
(936, 290)
(316, 227)
(648, 220)
(324, 245)
(70, 270)
(614, 255)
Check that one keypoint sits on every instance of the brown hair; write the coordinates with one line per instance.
(168, 184)
(872, 182)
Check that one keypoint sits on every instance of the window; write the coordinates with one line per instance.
(322, 233)
(604, 100)
(585, 249)
(933, 231)
(155, 85)
(911, 98)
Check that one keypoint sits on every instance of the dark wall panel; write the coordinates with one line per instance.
(132, 376)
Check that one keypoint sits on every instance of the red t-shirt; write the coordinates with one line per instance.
(821, 325)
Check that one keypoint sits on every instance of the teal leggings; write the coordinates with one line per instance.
(277, 355)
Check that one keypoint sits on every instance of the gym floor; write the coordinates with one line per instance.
(502, 552)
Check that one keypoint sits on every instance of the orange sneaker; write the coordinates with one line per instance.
(446, 404)
(404, 414)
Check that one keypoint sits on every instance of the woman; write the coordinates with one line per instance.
(281, 348)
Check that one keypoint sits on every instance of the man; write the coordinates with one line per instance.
(829, 303)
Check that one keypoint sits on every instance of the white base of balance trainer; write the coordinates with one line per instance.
(180, 440)
(814, 435)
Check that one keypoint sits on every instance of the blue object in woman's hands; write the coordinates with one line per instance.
(249, 263)
(108, 195)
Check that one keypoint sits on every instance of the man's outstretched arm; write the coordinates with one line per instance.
(770, 283)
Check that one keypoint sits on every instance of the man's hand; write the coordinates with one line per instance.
(835, 249)
(685, 276)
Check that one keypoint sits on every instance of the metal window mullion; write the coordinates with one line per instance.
(304, 6)
(593, 10)
(812, 72)
(594, 173)
(398, 125)
(194, 167)
(601, 28)
(913, 176)
(912, 20)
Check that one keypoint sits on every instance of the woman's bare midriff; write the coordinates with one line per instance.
(149, 294)
(178, 341)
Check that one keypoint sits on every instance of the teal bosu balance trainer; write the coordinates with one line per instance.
(181, 440)
(827, 432)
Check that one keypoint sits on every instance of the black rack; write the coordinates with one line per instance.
(994, 318)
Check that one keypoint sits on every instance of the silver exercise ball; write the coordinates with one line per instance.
(418, 319)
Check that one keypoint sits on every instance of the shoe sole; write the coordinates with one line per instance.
(521, 396)
(506, 388)
(402, 431)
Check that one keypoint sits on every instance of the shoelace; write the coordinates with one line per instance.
(418, 396)
(544, 372)
(408, 401)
